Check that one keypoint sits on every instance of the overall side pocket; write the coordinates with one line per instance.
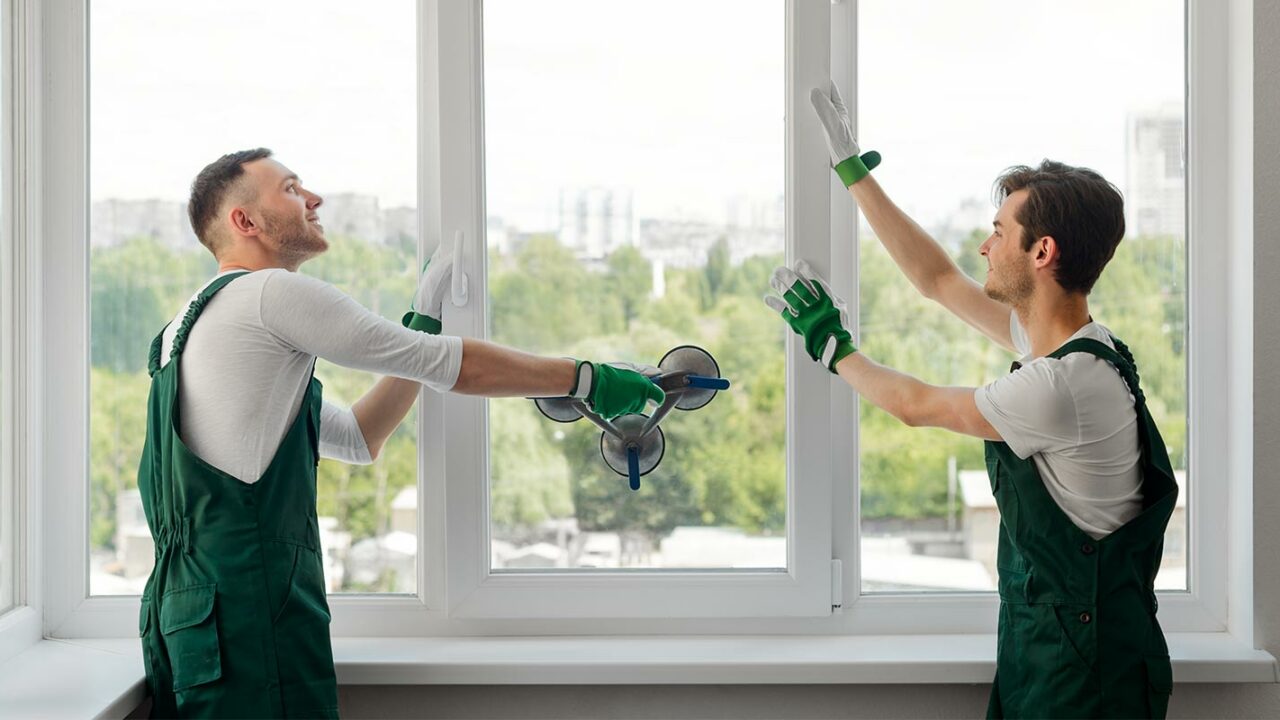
(190, 630)
(1159, 685)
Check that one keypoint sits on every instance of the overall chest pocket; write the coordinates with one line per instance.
(190, 630)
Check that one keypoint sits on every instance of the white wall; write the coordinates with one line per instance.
(958, 701)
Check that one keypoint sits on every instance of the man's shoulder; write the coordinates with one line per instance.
(1083, 370)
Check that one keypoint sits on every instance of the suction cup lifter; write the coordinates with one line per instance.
(633, 445)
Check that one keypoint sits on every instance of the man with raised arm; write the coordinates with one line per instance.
(1078, 468)
(234, 618)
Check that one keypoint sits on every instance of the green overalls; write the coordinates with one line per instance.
(234, 620)
(1078, 636)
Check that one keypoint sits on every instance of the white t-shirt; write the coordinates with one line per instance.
(246, 366)
(1074, 417)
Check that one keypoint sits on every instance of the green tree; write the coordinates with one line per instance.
(529, 474)
(630, 280)
(716, 271)
(117, 428)
(135, 289)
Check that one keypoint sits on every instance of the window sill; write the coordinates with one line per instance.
(779, 659)
(109, 676)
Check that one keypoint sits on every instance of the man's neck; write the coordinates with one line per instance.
(1051, 320)
(240, 263)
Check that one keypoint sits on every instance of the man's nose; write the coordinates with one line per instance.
(314, 201)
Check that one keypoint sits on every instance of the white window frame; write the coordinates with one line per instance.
(457, 596)
(8, 511)
(20, 323)
(1212, 347)
(804, 589)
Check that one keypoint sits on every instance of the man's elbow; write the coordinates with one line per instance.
(908, 413)
(914, 420)
(933, 287)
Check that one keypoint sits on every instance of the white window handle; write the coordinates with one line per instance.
(459, 289)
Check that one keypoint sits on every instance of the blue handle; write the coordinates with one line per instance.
(633, 467)
(707, 383)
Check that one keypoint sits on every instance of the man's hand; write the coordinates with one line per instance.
(814, 312)
(846, 157)
(613, 390)
(428, 302)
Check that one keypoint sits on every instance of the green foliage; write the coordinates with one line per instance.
(135, 288)
(118, 425)
(629, 280)
(716, 272)
(530, 475)
(724, 465)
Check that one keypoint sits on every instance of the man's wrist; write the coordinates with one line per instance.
(853, 169)
(421, 323)
(844, 349)
(583, 378)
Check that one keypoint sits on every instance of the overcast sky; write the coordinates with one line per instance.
(681, 101)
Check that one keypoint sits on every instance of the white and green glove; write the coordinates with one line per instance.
(814, 312)
(616, 388)
(428, 302)
(847, 158)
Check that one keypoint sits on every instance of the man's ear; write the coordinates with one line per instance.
(242, 223)
(1046, 251)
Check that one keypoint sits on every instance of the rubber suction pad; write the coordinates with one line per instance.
(695, 361)
(559, 409)
(614, 451)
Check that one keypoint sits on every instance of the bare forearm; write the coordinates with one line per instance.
(921, 258)
(496, 371)
(487, 369)
(380, 410)
(894, 392)
(914, 402)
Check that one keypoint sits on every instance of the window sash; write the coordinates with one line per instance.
(1216, 420)
(473, 589)
(8, 386)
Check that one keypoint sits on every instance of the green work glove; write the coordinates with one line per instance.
(846, 158)
(428, 302)
(814, 312)
(613, 390)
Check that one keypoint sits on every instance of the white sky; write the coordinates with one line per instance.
(680, 100)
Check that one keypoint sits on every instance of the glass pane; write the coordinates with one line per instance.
(985, 96)
(635, 177)
(329, 86)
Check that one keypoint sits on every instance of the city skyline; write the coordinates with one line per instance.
(712, 125)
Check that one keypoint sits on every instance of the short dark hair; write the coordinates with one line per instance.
(210, 187)
(1077, 207)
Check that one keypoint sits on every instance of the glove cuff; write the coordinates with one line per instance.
(584, 375)
(421, 323)
(843, 350)
(853, 169)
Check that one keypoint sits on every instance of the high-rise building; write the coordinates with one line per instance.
(114, 221)
(596, 221)
(352, 215)
(1155, 203)
(400, 226)
(755, 226)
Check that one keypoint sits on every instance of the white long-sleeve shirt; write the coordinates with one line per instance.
(246, 363)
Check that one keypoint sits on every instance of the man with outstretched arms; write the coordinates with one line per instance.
(1078, 468)
(234, 619)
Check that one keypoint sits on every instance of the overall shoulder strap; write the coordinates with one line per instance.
(197, 307)
(153, 355)
(1120, 357)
